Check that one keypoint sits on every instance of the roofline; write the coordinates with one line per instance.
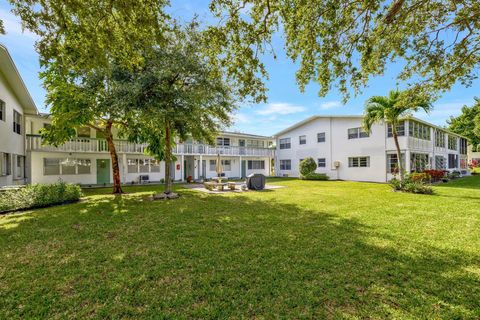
(309, 119)
(245, 135)
(28, 103)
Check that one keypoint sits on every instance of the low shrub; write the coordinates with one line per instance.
(412, 183)
(39, 195)
(436, 175)
(454, 175)
(307, 166)
(420, 177)
(315, 176)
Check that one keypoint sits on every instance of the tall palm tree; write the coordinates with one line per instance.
(392, 109)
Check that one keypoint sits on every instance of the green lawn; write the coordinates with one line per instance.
(311, 250)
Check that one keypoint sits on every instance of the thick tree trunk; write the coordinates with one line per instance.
(168, 159)
(117, 187)
(399, 154)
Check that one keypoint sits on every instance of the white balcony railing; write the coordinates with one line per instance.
(91, 145)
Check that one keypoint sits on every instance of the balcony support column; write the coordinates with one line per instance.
(240, 167)
(182, 167)
(124, 168)
(202, 174)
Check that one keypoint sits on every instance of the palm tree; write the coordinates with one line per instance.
(392, 109)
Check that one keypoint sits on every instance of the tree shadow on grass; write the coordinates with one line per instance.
(214, 256)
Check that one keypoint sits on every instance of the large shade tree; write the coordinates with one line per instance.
(344, 43)
(84, 35)
(90, 103)
(80, 43)
(390, 110)
(177, 94)
(468, 124)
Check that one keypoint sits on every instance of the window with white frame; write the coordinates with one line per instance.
(452, 161)
(5, 164)
(225, 142)
(255, 143)
(285, 143)
(84, 166)
(355, 133)
(285, 164)
(302, 139)
(51, 166)
(256, 164)
(452, 142)
(418, 130)
(321, 162)
(17, 122)
(463, 146)
(132, 165)
(419, 162)
(392, 163)
(321, 137)
(226, 164)
(19, 167)
(143, 165)
(359, 162)
(440, 163)
(439, 139)
(400, 129)
(154, 165)
(67, 166)
(3, 110)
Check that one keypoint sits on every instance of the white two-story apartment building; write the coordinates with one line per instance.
(86, 160)
(15, 103)
(343, 150)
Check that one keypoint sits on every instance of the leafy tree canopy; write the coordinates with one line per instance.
(177, 94)
(88, 34)
(344, 43)
(2, 28)
(468, 124)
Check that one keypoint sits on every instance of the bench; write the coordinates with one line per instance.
(209, 185)
(231, 185)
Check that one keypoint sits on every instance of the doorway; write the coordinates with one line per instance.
(103, 171)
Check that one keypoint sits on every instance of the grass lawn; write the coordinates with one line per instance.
(311, 250)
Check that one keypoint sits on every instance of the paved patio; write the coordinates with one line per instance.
(200, 187)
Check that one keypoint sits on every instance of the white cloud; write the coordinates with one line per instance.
(330, 105)
(280, 108)
(240, 118)
(442, 112)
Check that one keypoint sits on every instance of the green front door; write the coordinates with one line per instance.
(103, 171)
(244, 168)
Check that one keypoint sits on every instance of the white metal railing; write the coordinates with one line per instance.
(35, 143)
(420, 144)
(92, 145)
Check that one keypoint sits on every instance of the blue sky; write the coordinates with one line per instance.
(286, 104)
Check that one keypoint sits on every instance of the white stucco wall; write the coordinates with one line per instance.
(337, 147)
(10, 141)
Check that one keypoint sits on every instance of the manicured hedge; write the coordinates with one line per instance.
(314, 176)
(39, 195)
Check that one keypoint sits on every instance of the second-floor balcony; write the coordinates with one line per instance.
(92, 145)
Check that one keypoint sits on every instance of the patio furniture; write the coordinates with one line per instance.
(231, 185)
(256, 181)
(209, 185)
(220, 186)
